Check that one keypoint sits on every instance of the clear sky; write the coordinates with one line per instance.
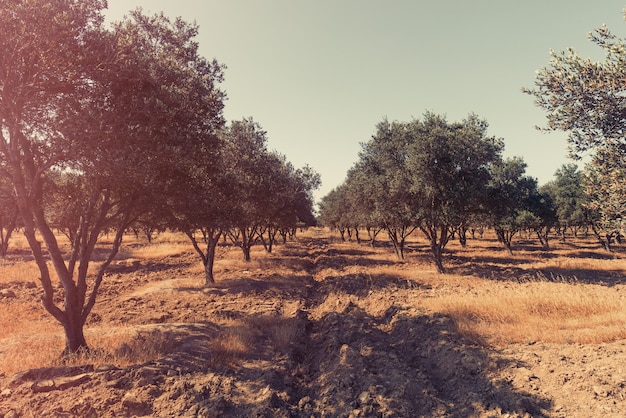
(319, 75)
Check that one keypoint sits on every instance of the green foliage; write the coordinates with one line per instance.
(586, 99)
(428, 174)
(605, 187)
(568, 195)
(96, 127)
(515, 203)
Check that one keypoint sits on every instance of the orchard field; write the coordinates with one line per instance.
(322, 327)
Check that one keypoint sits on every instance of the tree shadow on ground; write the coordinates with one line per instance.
(362, 285)
(271, 286)
(513, 269)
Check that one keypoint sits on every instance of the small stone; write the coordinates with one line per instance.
(7, 294)
(600, 391)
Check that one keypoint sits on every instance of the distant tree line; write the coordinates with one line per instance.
(449, 179)
(109, 129)
(441, 178)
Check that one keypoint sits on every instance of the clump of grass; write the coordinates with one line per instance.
(281, 331)
(145, 346)
(15, 270)
(231, 344)
(119, 349)
(30, 352)
(539, 310)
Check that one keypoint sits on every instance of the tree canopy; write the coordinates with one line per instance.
(428, 173)
(98, 118)
(586, 99)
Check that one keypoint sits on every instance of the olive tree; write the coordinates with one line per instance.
(383, 160)
(568, 194)
(586, 99)
(605, 186)
(514, 202)
(449, 166)
(107, 111)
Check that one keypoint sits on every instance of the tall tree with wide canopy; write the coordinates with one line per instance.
(250, 169)
(449, 168)
(109, 111)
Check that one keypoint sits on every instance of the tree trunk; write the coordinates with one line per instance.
(210, 261)
(438, 257)
(4, 239)
(211, 237)
(463, 237)
(606, 243)
(438, 235)
(398, 238)
(506, 238)
(209, 279)
(246, 253)
(74, 335)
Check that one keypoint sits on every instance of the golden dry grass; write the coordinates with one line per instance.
(107, 346)
(281, 331)
(231, 344)
(154, 251)
(496, 298)
(18, 271)
(556, 312)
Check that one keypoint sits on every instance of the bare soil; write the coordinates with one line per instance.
(308, 332)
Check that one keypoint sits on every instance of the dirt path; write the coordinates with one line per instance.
(310, 332)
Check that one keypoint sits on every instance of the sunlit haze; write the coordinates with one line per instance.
(319, 75)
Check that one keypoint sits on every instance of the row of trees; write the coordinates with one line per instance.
(105, 128)
(441, 178)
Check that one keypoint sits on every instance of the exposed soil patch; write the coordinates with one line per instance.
(309, 331)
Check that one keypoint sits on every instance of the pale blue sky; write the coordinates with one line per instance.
(319, 75)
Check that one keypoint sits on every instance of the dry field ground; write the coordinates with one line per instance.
(322, 328)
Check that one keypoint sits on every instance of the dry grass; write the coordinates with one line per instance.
(561, 312)
(18, 271)
(231, 344)
(281, 331)
(154, 251)
(491, 305)
(237, 339)
(107, 346)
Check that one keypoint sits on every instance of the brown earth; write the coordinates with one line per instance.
(307, 332)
